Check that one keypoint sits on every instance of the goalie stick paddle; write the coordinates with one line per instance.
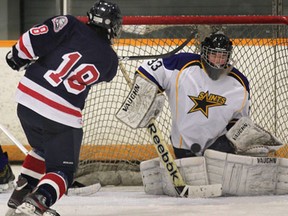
(182, 189)
(80, 190)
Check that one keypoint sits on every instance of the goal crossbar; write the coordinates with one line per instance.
(198, 20)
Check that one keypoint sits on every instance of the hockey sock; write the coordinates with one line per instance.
(33, 168)
(53, 186)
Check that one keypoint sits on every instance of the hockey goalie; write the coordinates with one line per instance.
(213, 138)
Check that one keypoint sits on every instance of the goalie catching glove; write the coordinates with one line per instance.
(142, 104)
(250, 139)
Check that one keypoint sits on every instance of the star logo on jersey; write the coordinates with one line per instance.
(204, 101)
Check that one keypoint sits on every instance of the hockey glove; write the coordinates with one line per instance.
(249, 138)
(17, 63)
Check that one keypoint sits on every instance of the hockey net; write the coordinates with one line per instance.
(111, 151)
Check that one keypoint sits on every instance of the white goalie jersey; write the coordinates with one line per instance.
(201, 108)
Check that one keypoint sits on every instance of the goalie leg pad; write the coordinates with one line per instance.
(282, 183)
(151, 177)
(193, 171)
(157, 181)
(243, 175)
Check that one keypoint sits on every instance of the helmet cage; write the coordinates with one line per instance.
(219, 53)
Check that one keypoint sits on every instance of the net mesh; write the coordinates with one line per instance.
(111, 151)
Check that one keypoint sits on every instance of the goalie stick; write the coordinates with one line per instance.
(182, 189)
(80, 190)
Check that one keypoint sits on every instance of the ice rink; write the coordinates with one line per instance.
(126, 201)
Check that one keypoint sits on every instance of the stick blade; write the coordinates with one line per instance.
(84, 191)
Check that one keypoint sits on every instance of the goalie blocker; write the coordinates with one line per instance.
(142, 104)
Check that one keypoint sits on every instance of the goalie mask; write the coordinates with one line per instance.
(106, 15)
(216, 52)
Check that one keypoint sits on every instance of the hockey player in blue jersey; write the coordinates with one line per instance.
(63, 58)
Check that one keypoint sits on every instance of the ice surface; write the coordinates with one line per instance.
(126, 201)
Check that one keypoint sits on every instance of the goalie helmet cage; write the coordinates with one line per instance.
(111, 151)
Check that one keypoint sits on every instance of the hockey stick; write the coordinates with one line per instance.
(142, 57)
(80, 190)
(182, 189)
(139, 57)
(13, 139)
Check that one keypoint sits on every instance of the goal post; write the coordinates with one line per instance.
(111, 151)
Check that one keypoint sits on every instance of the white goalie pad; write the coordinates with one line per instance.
(151, 177)
(156, 179)
(282, 175)
(193, 171)
(142, 104)
(250, 139)
(247, 176)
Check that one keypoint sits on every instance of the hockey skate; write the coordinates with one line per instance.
(34, 205)
(21, 190)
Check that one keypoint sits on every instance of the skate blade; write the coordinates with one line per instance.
(47, 213)
(28, 209)
(14, 212)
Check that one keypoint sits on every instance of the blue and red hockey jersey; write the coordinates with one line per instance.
(69, 57)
